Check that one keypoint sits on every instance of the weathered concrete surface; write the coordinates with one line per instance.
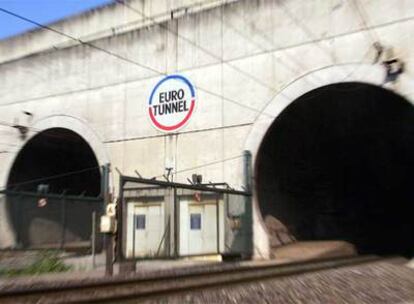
(255, 56)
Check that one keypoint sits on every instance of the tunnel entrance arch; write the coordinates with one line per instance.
(53, 189)
(337, 164)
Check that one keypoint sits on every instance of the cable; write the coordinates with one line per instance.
(314, 95)
(121, 57)
(9, 144)
(57, 176)
(258, 45)
(34, 130)
(236, 58)
(304, 28)
(260, 112)
(155, 71)
(276, 92)
(132, 80)
(140, 13)
(268, 39)
(204, 165)
(370, 32)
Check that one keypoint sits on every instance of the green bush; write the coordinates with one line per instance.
(46, 262)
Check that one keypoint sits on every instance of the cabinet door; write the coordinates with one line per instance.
(202, 233)
(148, 230)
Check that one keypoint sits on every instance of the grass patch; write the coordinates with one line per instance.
(46, 262)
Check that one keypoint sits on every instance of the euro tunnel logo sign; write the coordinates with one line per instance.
(171, 103)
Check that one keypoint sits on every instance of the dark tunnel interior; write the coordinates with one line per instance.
(56, 152)
(338, 164)
(63, 162)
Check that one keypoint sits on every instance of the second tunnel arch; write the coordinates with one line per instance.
(293, 123)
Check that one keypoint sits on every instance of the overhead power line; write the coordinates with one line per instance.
(259, 111)
(204, 165)
(306, 29)
(270, 42)
(120, 57)
(274, 92)
(191, 42)
(51, 177)
(281, 48)
(372, 35)
(34, 130)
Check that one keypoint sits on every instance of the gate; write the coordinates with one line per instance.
(51, 221)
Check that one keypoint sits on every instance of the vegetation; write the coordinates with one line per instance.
(46, 262)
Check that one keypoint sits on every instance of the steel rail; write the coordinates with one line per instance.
(136, 287)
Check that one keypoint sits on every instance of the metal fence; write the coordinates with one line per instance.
(49, 221)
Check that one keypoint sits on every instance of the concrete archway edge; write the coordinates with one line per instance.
(363, 73)
(78, 126)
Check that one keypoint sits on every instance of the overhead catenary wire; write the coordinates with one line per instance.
(306, 29)
(9, 144)
(138, 64)
(76, 172)
(204, 165)
(191, 42)
(50, 177)
(275, 92)
(346, 76)
(316, 40)
(34, 130)
(371, 33)
(260, 112)
(267, 39)
(120, 57)
(145, 66)
(309, 32)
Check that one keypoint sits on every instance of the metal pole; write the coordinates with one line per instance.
(109, 269)
(20, 219)
(171, 221)
(63, 223)
(93, 239)
(248, 182)
(177, 210)
(134, 220)
(218, 222)
(121, 215)
(247, 168)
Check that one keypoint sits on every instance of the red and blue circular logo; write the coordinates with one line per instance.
(171, 103)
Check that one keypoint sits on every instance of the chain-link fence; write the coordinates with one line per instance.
(55, 221)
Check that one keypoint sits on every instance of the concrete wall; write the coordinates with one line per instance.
(255, 56)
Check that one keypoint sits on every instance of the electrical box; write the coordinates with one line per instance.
(108, 224)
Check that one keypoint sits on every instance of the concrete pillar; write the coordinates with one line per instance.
(7, 235)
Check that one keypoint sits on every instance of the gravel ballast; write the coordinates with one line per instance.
(377, 283)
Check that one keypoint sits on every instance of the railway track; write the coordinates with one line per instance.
(118, 289)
